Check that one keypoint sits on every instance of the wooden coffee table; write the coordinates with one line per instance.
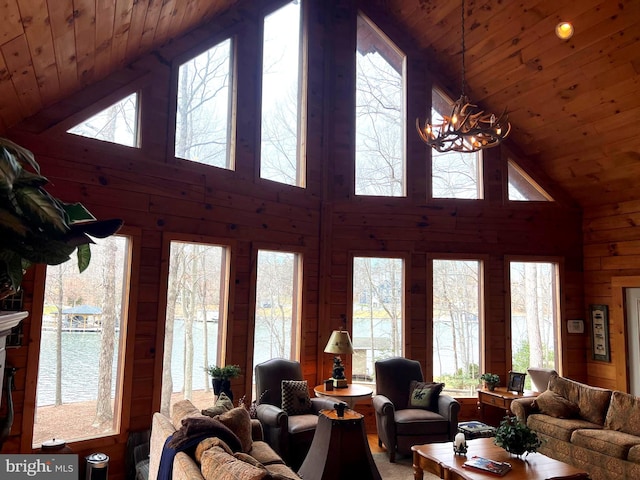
(439, 459)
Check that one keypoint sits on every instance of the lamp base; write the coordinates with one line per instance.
(340, 383)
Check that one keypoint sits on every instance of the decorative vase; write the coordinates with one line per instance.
(221, 385)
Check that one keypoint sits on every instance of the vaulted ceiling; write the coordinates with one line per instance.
(574, 105)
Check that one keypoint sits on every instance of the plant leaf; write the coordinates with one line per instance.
(21, 154)
(42, 208)
(11, 263)
(84, 257)
(9, 171)
(77, 212)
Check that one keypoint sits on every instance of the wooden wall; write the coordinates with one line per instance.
(161, 197)
(611, 263)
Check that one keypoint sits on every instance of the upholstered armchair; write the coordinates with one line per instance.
(401, 425)
(288, 434)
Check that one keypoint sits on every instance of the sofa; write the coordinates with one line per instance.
(591, 428)
(221, 447)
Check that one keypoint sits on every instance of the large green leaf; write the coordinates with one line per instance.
(11, 264)
(22, 154)
(29, 179)
(9, 171)
(40, 207)
(10, 223)
(77, 212)
(84, 257)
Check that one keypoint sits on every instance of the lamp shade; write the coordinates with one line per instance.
(339, 343)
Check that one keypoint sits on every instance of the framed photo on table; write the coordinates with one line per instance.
(516, 382)
(600, 332)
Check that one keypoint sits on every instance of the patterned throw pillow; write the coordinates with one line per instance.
(295, 397)
(424, 395)
(223, 404)
(238, 421)
(556, 405)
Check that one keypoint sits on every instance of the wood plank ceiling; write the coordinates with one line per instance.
(574, 105)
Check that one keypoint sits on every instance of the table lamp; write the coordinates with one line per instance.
(339, 344)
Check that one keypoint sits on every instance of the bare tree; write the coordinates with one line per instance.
(104, 411)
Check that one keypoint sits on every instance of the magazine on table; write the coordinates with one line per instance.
(487, 465)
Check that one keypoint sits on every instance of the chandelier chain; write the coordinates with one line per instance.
(464, 83)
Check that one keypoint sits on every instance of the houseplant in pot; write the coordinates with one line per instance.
(36, 227)
(516, 437)
(221, 378)
(491, 380)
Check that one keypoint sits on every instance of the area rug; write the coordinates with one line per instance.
(402, 469)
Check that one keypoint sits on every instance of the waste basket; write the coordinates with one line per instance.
(97, 466)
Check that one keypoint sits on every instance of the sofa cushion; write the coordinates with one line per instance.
(424, 395)
(295, 397)
(559, 428)
(223, 404)
(239, 422)
(634, 454)
(181, 410)
(554, 404)
(608, 442)
(280, 471)
(411, 421)
(263, 453)
(624, 413)
(185, 467)
(219, 465)
(592, 401)
(208, 443)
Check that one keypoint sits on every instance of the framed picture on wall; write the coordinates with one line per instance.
(600, 332)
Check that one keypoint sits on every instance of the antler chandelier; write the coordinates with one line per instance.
(467, 129)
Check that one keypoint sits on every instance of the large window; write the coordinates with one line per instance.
(197, 294)
(380, 114)
(522, 187)
(378, 313)
(280, 153)
(84, 324)
(457, 299)
(278, 302)
(453, 174)
(203, 107)
(534, 315)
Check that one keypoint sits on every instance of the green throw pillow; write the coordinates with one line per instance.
(424, 395)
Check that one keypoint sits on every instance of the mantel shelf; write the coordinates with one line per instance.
(8, 320)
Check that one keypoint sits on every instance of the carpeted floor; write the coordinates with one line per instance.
(402, 469)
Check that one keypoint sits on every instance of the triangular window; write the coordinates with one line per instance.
(117, 123)
(522, 188)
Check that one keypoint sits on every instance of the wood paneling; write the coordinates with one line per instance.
(160, 196)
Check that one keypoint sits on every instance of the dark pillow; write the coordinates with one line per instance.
(295, 397)
(554, 404)
(239, 422)
(223, 404)
(424, 395)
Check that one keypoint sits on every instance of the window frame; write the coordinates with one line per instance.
(558, 299)
(405, 257)
(483, 278)
(124, 385)
(224, 342)
(392, 45)
(297, 300)
(302, 95)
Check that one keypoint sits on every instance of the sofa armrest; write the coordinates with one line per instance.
(522, 408)
(257, 434)
(383, 406)
(324, 403)
(272, 416)
(449, 408)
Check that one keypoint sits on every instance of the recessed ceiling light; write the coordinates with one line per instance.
(564, 30)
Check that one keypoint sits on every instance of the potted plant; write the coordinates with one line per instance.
(221, 378)
(491, 380)
(516, 437)
(36, 227)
